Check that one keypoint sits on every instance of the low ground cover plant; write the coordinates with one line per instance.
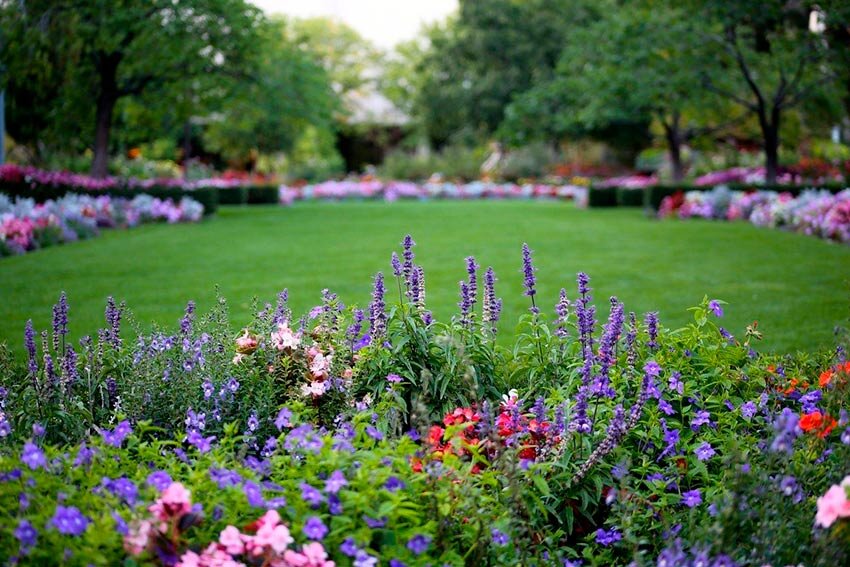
(349, 436)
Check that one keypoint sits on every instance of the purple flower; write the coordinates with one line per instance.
(84, 455)
(499, 538)
(26, 534)
(283, 419)
(334, 505)
(394, 484)
(253, 422)
(692, 498)
(314, 528)
(396, 265)
(372, 432)
(675, 383)
(224, 477)
(701, 418)
(69, 521)
(254, 494)
(528, 273)
(348, 547)
(335, 482)
(311, 495)
(201, 443)
(714, 305)
(845, 436)
(619, 471)
(363, 559)
(651, 321)
(419, 544)
(397, 563)
(665, 406)
(652, 369)
(748, 410)
(122, 488)
(787, 429)
(32, 456)
(705, 451)
(608, 537)
(120, 524)
(160, 480)
(492, 307)
(29, 342)
(375, 523)
(116, 437)
(377, 313)
(394, 378)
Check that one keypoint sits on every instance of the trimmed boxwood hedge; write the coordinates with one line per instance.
(601, 197)
(233, 195)
(262, 194)
(630, 197)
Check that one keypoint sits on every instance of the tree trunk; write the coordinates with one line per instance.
(674, 147)
(770, 132)
(107, 68)
(187, 147)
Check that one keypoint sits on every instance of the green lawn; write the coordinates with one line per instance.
(795, 286)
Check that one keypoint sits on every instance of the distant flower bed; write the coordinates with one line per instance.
(26, 226)
(394, 190)
(816, 213)
(12, 173)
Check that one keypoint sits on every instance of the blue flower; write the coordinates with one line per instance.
(419, 544)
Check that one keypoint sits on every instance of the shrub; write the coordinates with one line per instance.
(630, 197)
(602, 197)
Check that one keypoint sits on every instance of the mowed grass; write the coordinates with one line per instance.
(795, 286)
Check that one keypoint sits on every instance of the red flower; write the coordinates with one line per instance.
(825, 378)
(817, 422)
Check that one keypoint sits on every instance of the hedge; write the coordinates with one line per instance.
(630, 197)
(601, 197)
(233, 195)
(263, 194)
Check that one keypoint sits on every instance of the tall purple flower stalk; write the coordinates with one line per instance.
(419, 296)
(608, 349)
(413, 289)
(69, 366)
(29, 342)
(585, 315)
(353, 331)
(631, 345)
(377, 312)
(408, 255)
(188, 318)
(396, 265)
(562, 310)
(113, 320)
(472, 272)
(528, 273)
(651, 321)
(281, 310)
(60, 322)
(465, 304)
(492, 307)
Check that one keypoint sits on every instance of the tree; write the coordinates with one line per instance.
(774, 61)
(633, 63)
(349, 59)
(291, 94)
(124, 48)
(488, 54)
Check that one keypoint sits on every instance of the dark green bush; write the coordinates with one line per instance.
(630, 197)
(602, 197)
(233, 196)
(262, 194)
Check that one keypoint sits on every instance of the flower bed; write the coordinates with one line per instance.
(815, 213)
(394, 190)
(27, 226)
(380, 436)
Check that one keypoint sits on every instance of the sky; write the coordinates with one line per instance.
(384, 22)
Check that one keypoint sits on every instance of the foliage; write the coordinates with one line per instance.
(621, 444)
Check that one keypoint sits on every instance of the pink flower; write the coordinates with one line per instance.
(189, 559)
(833, 505)
(232, 541)
(316, 555)
(284, 338)
(246, 344)
(136, 541)
(174, 502)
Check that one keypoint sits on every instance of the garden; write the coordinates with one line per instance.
(548, 283)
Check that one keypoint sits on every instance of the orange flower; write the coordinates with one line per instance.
(825, 378)
(792, 386)
(817, 422)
